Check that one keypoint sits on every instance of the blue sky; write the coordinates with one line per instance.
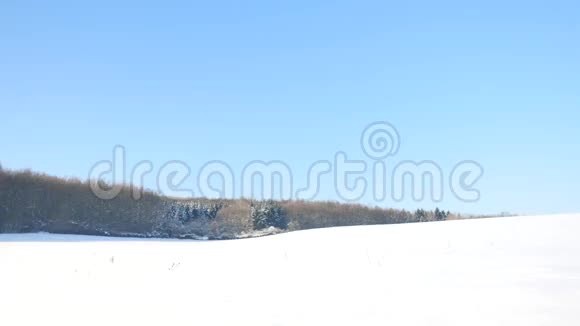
(492, 81)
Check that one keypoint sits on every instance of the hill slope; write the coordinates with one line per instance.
(505, 271)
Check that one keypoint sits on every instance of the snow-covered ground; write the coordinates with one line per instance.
(505, 271)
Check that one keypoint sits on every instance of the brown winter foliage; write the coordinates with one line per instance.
(32, 202)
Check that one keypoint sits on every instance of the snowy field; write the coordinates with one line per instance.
(505, 271)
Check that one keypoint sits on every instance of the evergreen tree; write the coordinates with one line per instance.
(439, 215)
(420, 215)
(266, 214)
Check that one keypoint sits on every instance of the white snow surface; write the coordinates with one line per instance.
(501, 271)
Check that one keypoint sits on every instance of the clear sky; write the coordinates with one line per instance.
(497, 82)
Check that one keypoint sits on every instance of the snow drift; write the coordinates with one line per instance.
(504, 271)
